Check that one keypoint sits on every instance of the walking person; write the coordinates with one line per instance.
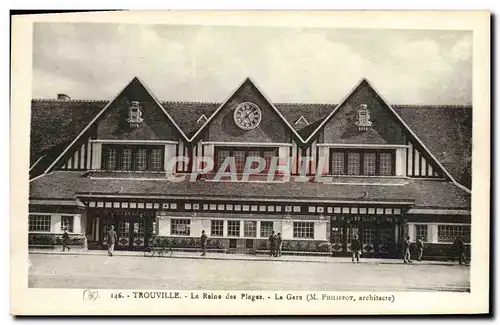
(65, 240)
(460, 250)
(407, 255)
(272, 244)
(203, 242)
(420, 248)
(355, 248)
(279, 244)
(112, 239)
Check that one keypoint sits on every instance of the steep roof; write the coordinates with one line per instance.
(424, 193)
(185, 114)
(445, 130)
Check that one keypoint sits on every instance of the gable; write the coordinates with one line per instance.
(384, 129)
(113, 125)
(271, 128)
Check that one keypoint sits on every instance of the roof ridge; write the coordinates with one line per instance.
(69, 100)
(432, 105)
(189, 102)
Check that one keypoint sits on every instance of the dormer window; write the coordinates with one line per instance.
(363, 121)
(302, 120)
(134, 115)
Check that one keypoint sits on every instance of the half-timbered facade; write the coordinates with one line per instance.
(358, 168)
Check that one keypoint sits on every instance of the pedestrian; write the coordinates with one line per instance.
(112, 239)
(355, 248)
(272, 244)
(65, 240)
(420, 247)
(460, 250)
(407, 255)
(203, 242)
(279, 244)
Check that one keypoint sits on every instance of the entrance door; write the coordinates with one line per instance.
(131, 234)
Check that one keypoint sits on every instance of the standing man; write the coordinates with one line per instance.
(420, 247)
(407, 255)
(279, 243)
(272, 244)
(355, 248)
(112, 239)
(460, 250)
(65, 239)
(203, 242)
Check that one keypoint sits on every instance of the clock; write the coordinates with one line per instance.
(247, 116)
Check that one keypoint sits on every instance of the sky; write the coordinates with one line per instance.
(207, 63)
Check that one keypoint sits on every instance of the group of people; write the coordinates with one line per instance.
(275, 244)
(458, 250)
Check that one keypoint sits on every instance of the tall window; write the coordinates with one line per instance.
(368, 236)
(141, 159)
(266, 228)
(217, 228)
(39, 223)
(123, 229)
(353, 166)
(180, 227)
(337, 163)
(241, 155)
(132, 158)
(156, 159)
(126, 159)
(421, 231)
(250, 228)
(369, 163)
(448, 233)
(67, 223)
(385, 164)
(233, 228)
(303, 230)
(362, 162)
(111, 159)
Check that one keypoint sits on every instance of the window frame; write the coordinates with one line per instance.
(254, 229)
(37, 216)
(246, 150)
(466, 239)
(188, 224)
(362, 152)
(236, 222)
(219, 222)
(295, 231)
(72, 218)
(417, 235)
(120, 148)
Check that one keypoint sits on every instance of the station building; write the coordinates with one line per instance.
(362, 167)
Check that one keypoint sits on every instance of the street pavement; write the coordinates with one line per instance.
(189, 271)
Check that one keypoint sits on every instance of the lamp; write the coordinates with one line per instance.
(322, 218)
(288, 217)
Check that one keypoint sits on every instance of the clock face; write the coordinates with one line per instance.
(247, 116)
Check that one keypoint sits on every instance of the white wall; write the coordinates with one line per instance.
(96, 155)
(287, 230)
(164, 226)
(401, 162)
(169, 155)
(320, 230)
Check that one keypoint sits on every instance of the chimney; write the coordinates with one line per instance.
(63, 97)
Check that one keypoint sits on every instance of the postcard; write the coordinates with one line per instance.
(250, 163)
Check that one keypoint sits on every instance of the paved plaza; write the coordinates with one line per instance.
(241, 272)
